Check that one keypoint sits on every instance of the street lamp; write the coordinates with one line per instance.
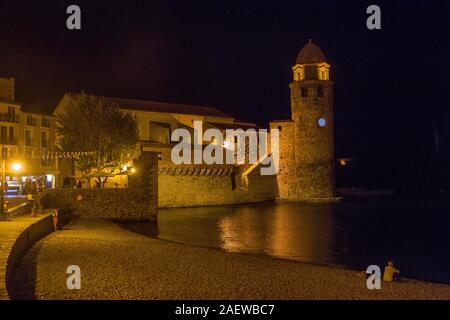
(16, 166)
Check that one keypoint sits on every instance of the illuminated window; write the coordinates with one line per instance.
(301, 74)
(323, 72)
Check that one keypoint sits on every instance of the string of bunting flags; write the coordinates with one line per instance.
(59, 155)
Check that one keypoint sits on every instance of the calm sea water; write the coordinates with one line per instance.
(350, 234)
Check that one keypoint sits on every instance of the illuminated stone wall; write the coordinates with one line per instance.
(119, 204)
(314, 148)
(213, 186)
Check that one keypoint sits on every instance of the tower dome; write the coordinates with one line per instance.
(310, 53)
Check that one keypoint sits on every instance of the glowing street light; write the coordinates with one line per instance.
(16, 166)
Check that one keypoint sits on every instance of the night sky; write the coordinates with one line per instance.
(391, 85)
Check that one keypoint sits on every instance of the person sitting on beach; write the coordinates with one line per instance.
(390, 272)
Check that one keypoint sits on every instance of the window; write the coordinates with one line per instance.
(3, 133)
(31, 121)
(11, 113)
(28, 138)
(45, 122)
(44, 142)
(45, 162)
(319, 91)
(311, 73)
(304, 91)
(11, 135)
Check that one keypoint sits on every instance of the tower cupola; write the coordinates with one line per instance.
(311, 64)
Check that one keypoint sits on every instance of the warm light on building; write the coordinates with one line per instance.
(343, 162)
(323, 71)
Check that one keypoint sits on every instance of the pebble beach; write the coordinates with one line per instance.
(116, 263)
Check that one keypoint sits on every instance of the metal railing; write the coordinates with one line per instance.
(8, 140)
(8, 117)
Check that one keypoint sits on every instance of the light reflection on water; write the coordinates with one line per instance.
(279, 232)
(354, 235)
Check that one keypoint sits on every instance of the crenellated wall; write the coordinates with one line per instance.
(212, 185)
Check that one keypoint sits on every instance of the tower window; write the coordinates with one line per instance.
(311, 73)
(319, 91)
(304, 91)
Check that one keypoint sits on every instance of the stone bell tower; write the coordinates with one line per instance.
(312, 116)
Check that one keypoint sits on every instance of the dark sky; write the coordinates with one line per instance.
(391, 85)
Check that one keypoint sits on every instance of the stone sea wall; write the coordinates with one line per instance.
(121, 204)
(203, 187)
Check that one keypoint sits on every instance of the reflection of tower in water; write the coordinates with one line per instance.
(281, 231)
(307, 235)
(243, 231)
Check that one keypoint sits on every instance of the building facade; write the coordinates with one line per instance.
(28, 136)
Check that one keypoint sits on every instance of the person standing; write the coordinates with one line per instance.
(7, 213)
(55, 219)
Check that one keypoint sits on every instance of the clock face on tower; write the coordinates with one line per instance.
(321, 122)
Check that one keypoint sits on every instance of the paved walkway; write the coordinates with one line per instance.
(9, 231)
(118, 264)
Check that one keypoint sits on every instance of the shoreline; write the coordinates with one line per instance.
(117, 263)
(329, 265)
